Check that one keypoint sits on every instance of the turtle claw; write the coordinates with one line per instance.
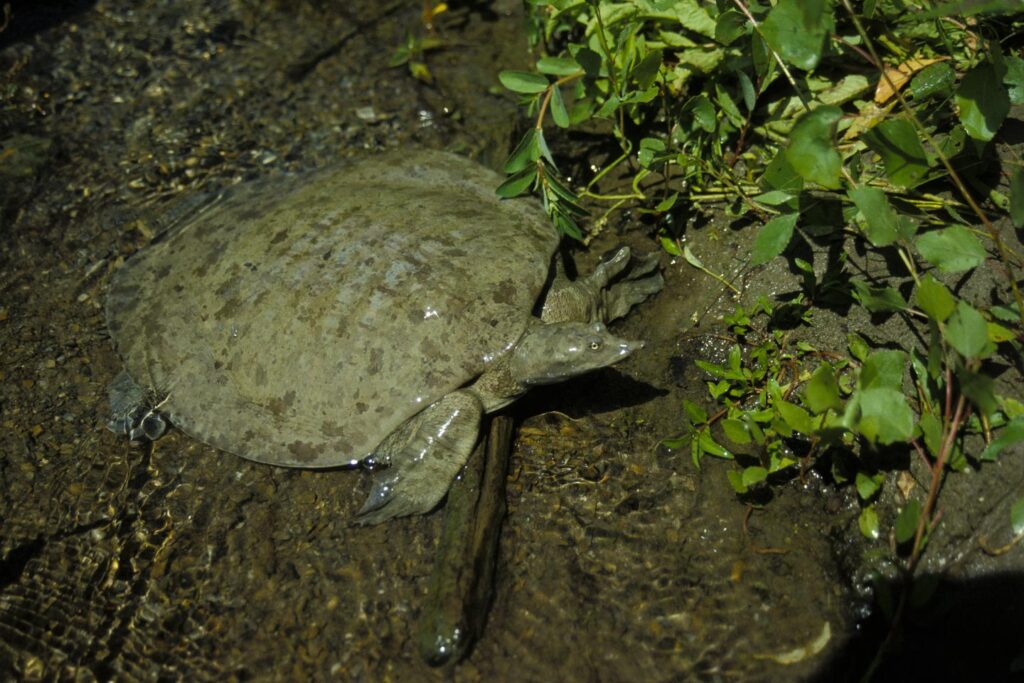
(376, 509)
(389, 498)
(150, 428)
(140, 425)
(131, 414)
(424, 457)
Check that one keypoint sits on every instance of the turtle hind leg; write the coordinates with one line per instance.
(131, 413)
(425, 455)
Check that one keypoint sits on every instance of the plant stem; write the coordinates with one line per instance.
(547, 96)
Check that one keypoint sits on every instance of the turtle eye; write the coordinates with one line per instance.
(595, 344)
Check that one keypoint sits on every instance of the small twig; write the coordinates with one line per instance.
(1002, 549)
(938, 471)
(760, 550)
(539, 124)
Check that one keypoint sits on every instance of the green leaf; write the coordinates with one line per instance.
(877, 299)
(695, 413)
(812, 151)
(754, 475)
(951, 250)
(523, 82)
(868, 486)
(798, 419)
(731, 25)
(761, 56)
(780, 175)
(581, 111)
(566, 198)
(736, 481)
(953, 142)
(934, 299)
(1007, 314)
(867, 521)
(883, 368)
(957, 461)
(979, 388)
(645, 73)
(931, 430)
(859, 348)
(883, 225)
(567, 226)
(756, 433)
(966, 331)
(736, 431)
(669, 245)
(1014, 79)
(982, 102)
(703, 112)
(772, 239)
(1017, 517)
(906, 522)
(896, 141)
(727, 105)
(920, 370)
(936, 354)
(650, 149)
(609, 107)
(712, 369)
(542, 148)
(1012, 407)
(735, 361)
(822, 392)
(997, 334)
(709, 445)
(557, 66)
(1017, 198)
(880, 415)
(400, 56)
(796, 30)
(590, 61)
(775, 198)
(517, 184)
(558, 112)
(718, 389)
(677, 442)
(934, 78)
(666, 204)
(524, 154)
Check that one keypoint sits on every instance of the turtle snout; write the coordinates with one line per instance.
(627, 347)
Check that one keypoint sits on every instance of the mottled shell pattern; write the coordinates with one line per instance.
(300, 321)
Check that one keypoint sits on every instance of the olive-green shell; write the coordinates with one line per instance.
(300, 322)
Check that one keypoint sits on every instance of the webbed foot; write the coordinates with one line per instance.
(617, 284)
(427, 454)
(626, 280)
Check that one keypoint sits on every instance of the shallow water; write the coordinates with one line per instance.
(619, 561)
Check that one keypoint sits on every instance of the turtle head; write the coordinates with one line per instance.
(551, 353)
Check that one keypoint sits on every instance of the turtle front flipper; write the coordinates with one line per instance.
(631, 284)
(132, 413)
(425, 455)
(617, 284)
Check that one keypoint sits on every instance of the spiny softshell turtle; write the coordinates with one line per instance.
(370, 311)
